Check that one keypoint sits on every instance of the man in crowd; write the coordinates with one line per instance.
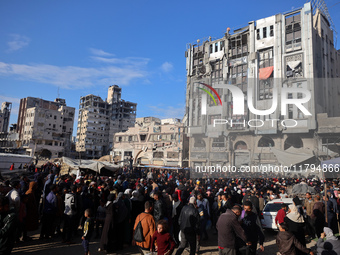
(49, 213)
(189, 222)
(8, 225)
(252, 228)
(148, 226)
(229, 229)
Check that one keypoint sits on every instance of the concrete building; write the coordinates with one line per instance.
(5, 113)
(152, 142)
(45, 127)
(99, 120)
(260, 89)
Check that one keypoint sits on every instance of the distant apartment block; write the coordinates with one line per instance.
(152, 142)
(5, 113)
(45, 127)
(277, 57)
(99, 120)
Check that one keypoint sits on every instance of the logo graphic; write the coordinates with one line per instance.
(238, 99)
(204, 97)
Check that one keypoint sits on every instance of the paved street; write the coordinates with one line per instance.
(55, 247)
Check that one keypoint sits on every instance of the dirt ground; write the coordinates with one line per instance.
(55, 246)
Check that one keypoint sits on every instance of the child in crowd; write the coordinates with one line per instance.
(165, 243)
(287, 242)
(88, 230)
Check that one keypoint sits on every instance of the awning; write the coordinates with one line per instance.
(266, 72)
(93, 165)
(331, 168)
(331, 163)
(292, 156)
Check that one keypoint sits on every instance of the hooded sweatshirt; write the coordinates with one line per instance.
(331, 242)
(287, 243)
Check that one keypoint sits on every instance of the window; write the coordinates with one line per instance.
(216, 71)
(294, 68)
(239, 76)
(266, 74)
(265, 142)
(218, 142)
(258, 36)
(213, 117)
(271, 33)
(293, 32)
(142, 138)
(264, 32)
(158, 154)
(171, 154)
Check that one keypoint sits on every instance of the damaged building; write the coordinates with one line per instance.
(254, 95)
(45, 127)
(152, 142)
(99, 120)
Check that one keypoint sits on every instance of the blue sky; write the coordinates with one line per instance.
(83, 47)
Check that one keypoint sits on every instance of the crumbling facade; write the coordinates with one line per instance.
(5, 113)
(152, 142)
(243, 89)
(99, 120)
(45, 127)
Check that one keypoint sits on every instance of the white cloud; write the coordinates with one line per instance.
(17, 42)
(9, 99)
(131, 61)
(99, 52)
(76, 77)
(167, 67)
(167, 111)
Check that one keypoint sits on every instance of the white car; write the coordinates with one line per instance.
(270, 211)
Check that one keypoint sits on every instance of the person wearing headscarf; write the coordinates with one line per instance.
(296, 225)
(107, 240)
(328, 242)
(32, 208)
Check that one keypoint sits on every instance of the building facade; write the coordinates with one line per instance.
(5, 113)
(258, 91)
(99, 120)
(152, 142)
(45, 127)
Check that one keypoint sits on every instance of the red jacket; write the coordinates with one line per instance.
(281, 214)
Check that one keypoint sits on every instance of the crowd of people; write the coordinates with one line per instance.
(161, 210)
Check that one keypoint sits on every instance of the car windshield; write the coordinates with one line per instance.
(273, 207)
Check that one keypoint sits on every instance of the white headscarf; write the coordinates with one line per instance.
(329, 234)
(294, 214)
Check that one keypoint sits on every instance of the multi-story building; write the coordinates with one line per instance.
(5, 113)
(258, 90)
(45, 127)
(152, 142)
(99, 120)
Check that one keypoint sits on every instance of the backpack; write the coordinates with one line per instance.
(138, 235)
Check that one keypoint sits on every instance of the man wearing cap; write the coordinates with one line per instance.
(189, 222)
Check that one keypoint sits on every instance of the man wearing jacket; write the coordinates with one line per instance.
(148, 226)
(229, 229)
(158, 210)
(70, 213)
(8, 225)
(189, 222)
(252, 228)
